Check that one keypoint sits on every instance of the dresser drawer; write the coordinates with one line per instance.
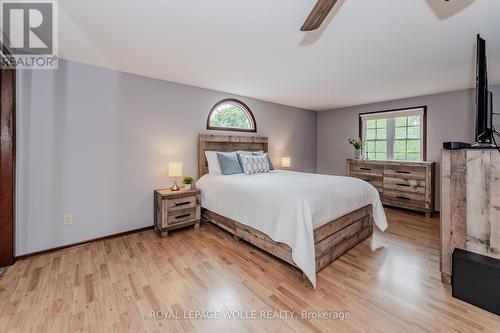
(404, 187)
(405, 172)
(181, 203)
(404, 182)
(369, 169)
(180, 216)
(376, 181)
(405, 195)
(405, 200)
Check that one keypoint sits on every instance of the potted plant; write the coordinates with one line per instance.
(358, 145)
(187, 181)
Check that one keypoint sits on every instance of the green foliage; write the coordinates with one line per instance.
(401, 133)
(187, 180)
(414, 132)
(400, 146)
(380, 146)
(401, 121)
(381, 123)
(370, 146)
(377, 156)
(381, 134)
(413, 146)
(371, 134)
(357, 143)
(413, 157)
(414, 121)
(407, 150)
(371, 123)
(230, 116)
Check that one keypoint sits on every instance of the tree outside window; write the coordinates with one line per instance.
(231, 115)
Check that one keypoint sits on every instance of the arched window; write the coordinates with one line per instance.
(231, 115)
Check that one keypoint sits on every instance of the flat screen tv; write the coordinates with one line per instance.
(484, 99)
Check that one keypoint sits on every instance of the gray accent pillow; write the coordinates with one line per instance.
(229, 163)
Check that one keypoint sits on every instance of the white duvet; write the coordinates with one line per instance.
(287, 206)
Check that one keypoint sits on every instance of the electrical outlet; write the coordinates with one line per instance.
(68, 219)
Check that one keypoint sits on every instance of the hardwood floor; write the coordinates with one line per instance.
(388, 283)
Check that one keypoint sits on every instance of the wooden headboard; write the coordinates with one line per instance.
(208, 142)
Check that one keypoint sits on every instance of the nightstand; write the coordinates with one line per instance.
(176, 209)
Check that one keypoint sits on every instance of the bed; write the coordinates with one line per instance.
(306, 220)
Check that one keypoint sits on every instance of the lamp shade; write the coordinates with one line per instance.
(285, 162)
(175, 169)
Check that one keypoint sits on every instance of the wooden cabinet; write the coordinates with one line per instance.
(407, 185)
(470, 204)
(176, 209)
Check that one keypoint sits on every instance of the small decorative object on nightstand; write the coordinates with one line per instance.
(176, 209)
(188, 181)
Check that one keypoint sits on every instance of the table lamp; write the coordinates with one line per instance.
(174, 171)
(285, 162)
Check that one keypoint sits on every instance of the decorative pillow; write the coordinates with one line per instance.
(254, 164)
(213, 163)
(255, 153)
(229, 163)
(242, 152)
(271, 167)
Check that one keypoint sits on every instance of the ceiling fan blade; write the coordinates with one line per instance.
(318, 14)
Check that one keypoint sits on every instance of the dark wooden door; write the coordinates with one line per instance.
(7, 162)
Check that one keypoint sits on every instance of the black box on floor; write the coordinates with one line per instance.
(476, 280)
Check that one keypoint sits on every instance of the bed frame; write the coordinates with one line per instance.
(332, 239)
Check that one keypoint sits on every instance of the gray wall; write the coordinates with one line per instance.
(450, 117)
(94, 143)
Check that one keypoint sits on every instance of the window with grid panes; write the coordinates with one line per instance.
(376, 139)
(394, 135)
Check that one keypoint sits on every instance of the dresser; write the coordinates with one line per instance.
(407, 185)
(470, 204)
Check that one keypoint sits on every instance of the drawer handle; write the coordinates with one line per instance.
(403, 198)
(181, 203)
(403, 185)
(181, 216)
(367, 169)
(401, 171)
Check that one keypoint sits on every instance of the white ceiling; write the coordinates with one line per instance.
(366, 51)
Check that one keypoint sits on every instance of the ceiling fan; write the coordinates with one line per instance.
(318, 14)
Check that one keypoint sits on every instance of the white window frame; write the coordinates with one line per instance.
(391, 127)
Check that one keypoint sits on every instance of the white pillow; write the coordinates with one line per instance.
(254, 164)
(213, 163)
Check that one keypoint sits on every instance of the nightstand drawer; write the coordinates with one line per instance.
(181, 203)
(180, 216)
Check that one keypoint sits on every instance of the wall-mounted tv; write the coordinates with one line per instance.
(484, 99)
